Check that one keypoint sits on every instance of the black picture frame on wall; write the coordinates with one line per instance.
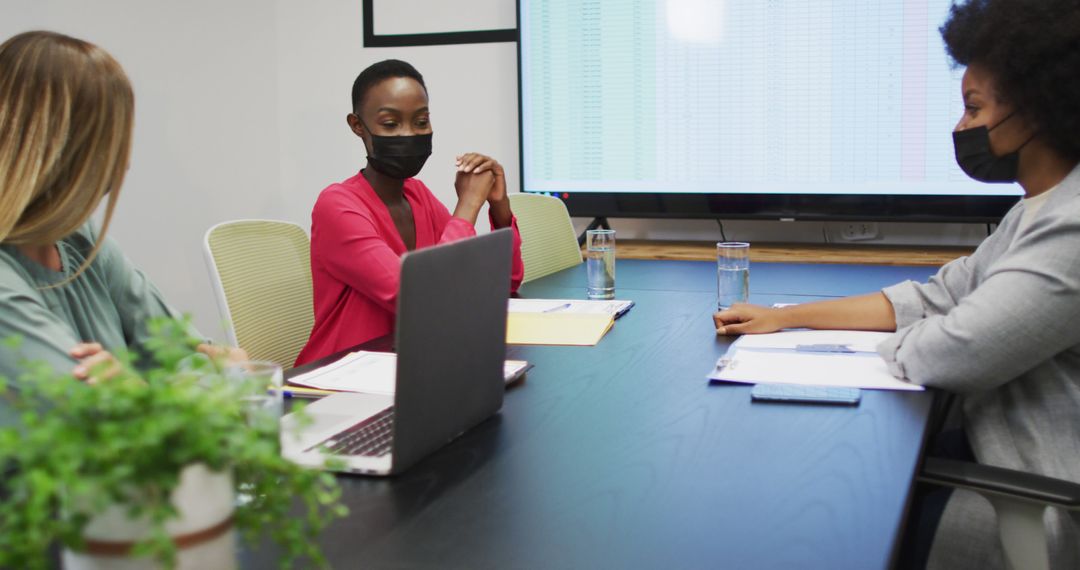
(430, 39)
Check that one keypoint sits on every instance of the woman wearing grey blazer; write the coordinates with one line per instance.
(1000, 328)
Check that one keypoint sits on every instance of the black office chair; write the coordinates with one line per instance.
(1019, 499)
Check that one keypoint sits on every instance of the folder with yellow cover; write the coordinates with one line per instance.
(557, 328)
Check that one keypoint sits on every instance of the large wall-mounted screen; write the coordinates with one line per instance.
(745, 108)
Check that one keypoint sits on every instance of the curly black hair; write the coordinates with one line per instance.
(1031, 49)
(376, 73)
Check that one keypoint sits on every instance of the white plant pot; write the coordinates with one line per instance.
(203, 531)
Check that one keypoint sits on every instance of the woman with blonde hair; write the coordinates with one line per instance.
(67, 293)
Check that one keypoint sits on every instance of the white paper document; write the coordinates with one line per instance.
(855, 341)
(844, 370)
(571, 306)
(373, 373)
(846, 359)
(368, 372)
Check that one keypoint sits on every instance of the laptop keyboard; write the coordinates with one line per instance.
(370, 437)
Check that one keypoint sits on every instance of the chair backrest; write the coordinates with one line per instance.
(261, 273)
(548, 241)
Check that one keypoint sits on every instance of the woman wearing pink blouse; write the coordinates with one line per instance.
(362, 226)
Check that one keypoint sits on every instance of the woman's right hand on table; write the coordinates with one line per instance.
(747, 319)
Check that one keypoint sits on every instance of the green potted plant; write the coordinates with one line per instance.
(145, 466)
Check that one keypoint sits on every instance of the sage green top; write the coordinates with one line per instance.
(109, 303)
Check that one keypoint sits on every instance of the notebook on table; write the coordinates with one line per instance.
(563, 322)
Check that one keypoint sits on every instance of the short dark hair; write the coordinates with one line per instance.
(378, 72)
(1031, 49)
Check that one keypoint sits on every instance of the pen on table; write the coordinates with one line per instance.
(559, 308)
(299, 392)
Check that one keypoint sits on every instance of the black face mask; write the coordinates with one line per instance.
(398, 157)
(974, 157)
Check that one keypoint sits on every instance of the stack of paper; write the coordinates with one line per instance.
(373, 373)
(562, 322)
(818, 358)
(578, 306)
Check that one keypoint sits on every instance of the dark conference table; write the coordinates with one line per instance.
(623, 456)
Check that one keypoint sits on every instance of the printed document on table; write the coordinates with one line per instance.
(569, 306)
(362, 371)
(374, 373)
(855, 341)
(843, 370)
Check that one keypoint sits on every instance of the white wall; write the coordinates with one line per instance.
(241, 110)
(206, 129)
(472, 89)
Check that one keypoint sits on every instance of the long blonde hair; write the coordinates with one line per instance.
(66, 116)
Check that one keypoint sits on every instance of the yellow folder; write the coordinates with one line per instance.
(566, 329)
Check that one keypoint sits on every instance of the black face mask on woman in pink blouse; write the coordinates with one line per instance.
(399, 157)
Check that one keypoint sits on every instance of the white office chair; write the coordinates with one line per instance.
(261, 274)
(548, 241)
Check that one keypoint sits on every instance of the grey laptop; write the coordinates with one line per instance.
(451, 345)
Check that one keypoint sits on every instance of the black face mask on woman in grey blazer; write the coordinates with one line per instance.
(975, 158)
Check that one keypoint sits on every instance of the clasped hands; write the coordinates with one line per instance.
(479, 178)
(98, 365)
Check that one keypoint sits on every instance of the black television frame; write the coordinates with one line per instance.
(785, 207)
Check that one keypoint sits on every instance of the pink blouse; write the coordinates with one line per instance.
(356, 260)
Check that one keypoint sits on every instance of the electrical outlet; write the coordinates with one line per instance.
(859, 231)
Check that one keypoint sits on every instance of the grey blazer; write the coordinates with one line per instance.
(1001, 328)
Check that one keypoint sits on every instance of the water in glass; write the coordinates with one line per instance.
(732, 286)
(600, 265)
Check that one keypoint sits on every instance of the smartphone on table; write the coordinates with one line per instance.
(800, 394)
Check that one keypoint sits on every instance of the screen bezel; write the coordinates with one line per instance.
(794, 206)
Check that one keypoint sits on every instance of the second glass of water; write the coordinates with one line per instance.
(600, 263)
(732, 273)
(257, 385)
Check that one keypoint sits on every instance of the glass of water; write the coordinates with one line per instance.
(732, 273)
(600, 263)
(258, 386)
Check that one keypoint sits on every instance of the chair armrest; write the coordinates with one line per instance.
(1002, 482)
